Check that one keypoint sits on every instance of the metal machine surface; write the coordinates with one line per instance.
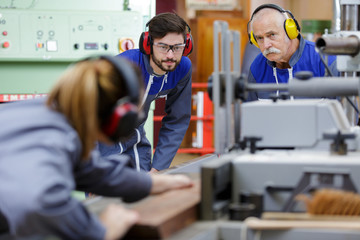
(279, 174)
(310, 126)
(275, 177)
(284, 147)
(275, 158)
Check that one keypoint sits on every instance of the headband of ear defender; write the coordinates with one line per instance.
(126, 70)
(146, 42)
(291, 26)
(123, 118)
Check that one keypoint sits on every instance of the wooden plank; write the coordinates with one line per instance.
(261, 224)
(164, 214)
(306, 217)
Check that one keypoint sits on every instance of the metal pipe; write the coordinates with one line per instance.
(216, 84)
(229, 88)
(348, 108)
(236, 51)
(349, 17)
(219, 27)
(339, 46)
(224, 28)
(336, 24)
(314, 87)
(325, 87)
(254, 87)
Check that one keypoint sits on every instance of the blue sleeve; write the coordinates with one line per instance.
(36, 196)
(112, 176)
(133, 55)
(252, 96)
(334, 69)
(69, 219)
(42, 168)
(50, 209)
(174, 124)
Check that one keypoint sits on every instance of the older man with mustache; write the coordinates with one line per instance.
(276, 33)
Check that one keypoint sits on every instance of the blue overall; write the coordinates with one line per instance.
(41, 165)
(175, 87)
(304, 59)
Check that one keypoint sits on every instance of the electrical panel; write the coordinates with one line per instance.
(36, 46)
(30, 35)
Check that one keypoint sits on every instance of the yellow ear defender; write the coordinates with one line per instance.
(291, 28)
(253, 40)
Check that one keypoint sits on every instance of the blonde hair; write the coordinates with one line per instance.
(76, 95)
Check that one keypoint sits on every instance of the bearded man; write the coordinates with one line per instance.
(166, 69)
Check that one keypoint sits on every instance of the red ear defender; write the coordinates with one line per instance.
(121, 123)
(145, 43)
(188, 45)
(118, 122)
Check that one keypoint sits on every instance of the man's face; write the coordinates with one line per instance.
(167, 53)
(271, 37)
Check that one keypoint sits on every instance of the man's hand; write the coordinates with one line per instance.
(153, 170)
(165, 182)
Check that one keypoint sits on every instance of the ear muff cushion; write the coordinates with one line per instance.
(188, 45)
(291, 28)
(122, 121)
(145, 43)
(253, 40)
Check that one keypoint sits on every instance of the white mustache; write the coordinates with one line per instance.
(271, 50)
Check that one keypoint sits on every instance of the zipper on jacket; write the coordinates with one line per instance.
(290, 78)
(276, 80)
(290, 70)
(151, 80)
(162, 84)
(121, 148)
(136, 153)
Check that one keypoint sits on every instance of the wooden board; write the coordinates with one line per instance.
(284, 220)
(307, 217)
(163, 215)
(264, 224)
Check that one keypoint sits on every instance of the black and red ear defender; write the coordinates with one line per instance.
(145, 42)
(123, 118)
(291, 25)
(188, 43)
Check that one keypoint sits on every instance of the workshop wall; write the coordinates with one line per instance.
(40, 38)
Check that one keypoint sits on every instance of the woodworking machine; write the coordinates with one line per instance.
(269, 152)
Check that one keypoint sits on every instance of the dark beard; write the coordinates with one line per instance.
(159, 64)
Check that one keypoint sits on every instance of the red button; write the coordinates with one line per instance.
(4, 33)
(6, 45)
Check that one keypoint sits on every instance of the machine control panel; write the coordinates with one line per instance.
(29, 35)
